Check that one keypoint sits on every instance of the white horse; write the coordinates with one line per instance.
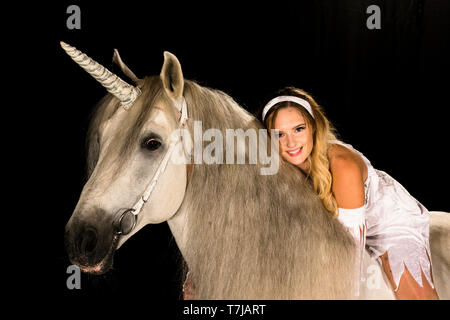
(243, 235)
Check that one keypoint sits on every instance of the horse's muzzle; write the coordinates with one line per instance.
(90, 248)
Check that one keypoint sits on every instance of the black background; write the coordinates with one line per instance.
(386, 92)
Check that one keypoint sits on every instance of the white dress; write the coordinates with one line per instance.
(396, 223)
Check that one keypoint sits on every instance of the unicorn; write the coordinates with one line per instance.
(242, 234)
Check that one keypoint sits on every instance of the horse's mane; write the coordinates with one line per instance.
(253, 236)
(250, 236)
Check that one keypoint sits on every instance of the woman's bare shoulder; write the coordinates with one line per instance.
(337, 152)
(348, 181)
(345, 160)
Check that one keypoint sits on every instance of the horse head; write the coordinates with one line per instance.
(131, 181)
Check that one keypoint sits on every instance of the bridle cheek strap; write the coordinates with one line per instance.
(182, 107)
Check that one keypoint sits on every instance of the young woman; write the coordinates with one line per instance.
(379, 213)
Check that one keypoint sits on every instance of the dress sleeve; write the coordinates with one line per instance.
(355, 223)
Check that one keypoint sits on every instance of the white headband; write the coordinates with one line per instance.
(278, 99)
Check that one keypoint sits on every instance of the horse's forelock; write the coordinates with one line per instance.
(125, 138)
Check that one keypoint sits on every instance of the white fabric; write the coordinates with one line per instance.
(355, 223)
(396, 223)
(294, 99)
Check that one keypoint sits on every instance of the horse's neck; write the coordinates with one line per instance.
(177, 225)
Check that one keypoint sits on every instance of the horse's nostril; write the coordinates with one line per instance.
(88, 242)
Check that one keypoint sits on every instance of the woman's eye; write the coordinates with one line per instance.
(299, 129)
(151, 144)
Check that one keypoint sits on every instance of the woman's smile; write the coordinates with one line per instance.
(294, 152)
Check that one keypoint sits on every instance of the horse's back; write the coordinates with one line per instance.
(440, 252)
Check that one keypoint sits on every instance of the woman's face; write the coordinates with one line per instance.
(295, 137)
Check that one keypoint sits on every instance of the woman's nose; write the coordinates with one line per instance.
(290, 141)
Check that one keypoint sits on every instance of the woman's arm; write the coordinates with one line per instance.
(348, 190)
(348, 183)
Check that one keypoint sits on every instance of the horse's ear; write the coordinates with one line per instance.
(130, 74)
(172, 76)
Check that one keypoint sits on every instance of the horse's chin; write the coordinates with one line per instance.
(104, 265)
(100, 268)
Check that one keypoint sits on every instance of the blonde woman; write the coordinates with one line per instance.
(379, 213)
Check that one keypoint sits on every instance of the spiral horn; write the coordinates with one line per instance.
(123, 91)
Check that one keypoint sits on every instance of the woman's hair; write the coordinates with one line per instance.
(323, 131)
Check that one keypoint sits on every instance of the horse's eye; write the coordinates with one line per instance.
(151, 144)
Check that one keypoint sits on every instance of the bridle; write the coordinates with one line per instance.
(129, 216)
